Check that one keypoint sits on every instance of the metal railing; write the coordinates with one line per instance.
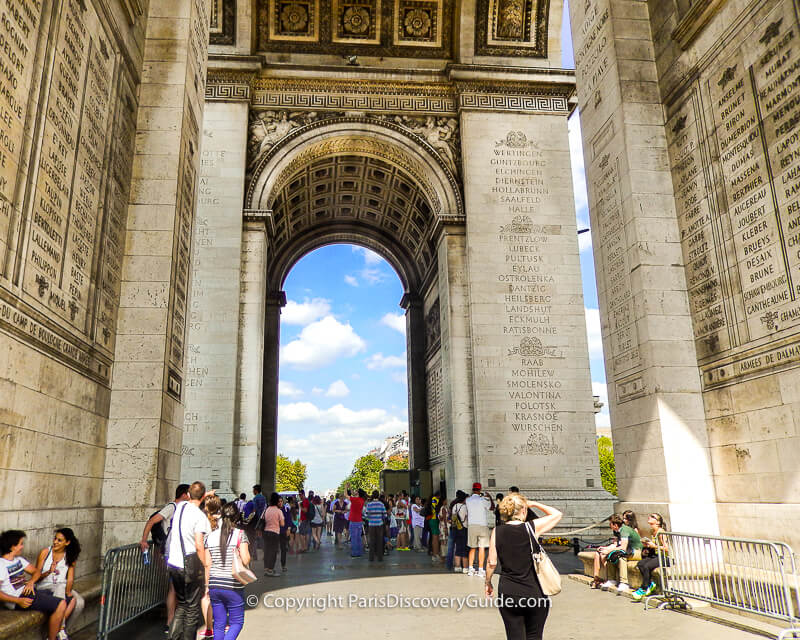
(130, 587)
(756, 576)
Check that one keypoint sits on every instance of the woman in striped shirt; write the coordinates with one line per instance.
(227, 594)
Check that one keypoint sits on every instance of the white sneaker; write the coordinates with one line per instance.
(471, 571)
(608, 584)
(623, 587)
(457, 569)
(481, 573)
(62, 635)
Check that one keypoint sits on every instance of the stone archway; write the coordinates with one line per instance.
(341, 179)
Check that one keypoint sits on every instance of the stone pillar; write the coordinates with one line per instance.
(269, 396)
(456, 353)
(534, 411)
(145, 429)
(417, 405)
(657, 419)
(213, 336)
(252, 307)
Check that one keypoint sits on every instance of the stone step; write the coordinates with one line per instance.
(29, 625)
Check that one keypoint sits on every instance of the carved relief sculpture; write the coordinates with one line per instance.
(357, 21)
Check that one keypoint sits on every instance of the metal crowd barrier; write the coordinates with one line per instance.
(130, 587)
(756, 576)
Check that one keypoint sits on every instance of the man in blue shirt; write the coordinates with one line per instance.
(375, 515)
(256, 524)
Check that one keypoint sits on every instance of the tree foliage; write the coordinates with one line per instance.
(397, 462)
(365, 474)
(608, 469)
(289, 476)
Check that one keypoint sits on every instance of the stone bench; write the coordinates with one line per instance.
(634, 576)
(29, 625)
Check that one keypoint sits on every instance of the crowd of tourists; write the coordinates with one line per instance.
(209, 544)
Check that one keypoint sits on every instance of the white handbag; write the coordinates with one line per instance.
(549, 577)
(240, 571)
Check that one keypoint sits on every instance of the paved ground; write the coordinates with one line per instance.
(349, 592)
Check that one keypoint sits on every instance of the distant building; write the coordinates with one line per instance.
(392, 446)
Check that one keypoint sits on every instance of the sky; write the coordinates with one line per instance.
(342, 361)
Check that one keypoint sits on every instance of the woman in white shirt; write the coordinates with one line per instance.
(56, 564)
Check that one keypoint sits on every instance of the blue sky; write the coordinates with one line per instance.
(343, 362)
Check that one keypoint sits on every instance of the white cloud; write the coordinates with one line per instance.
(306, 312)
(579, 181)
(317, 391)
(380, 361)
(370, 257)
(602, 419)
(593, 333)
(330, 440)
(338, 389)
(322, 343)
(289, 390)
(396, 321)
(352, 281)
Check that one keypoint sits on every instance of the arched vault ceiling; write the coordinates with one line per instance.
(354, 191)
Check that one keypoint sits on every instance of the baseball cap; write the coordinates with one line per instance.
(476, 486)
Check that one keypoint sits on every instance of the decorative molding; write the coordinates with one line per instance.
(223, 22)
(229, 86)
(356, 22)
(697, 16)
(265, 157)
(380, 28)
(133, 10)
(419, 23)
(515, 28)
(296, 21)
(472, 97)
(357, 95)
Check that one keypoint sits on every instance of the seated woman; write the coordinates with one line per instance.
(17, 592)
(653, 546)
(56, 565)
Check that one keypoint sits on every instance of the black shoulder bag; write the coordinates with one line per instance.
(193, 570)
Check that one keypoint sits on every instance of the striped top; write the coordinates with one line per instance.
(220, 576)
(374, 513)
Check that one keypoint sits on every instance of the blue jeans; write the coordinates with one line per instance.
(451, 542)
(356, 547)
(228, 608)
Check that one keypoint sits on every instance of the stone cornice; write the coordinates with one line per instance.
(229, 86)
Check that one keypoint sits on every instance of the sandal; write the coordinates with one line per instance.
(596, 582)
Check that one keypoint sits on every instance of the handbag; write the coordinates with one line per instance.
(549, 577)
(240, 571)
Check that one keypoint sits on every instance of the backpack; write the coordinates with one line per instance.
(158, 532)
(455, 520)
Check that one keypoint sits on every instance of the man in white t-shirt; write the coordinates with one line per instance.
(17, 580)
(186, 561)
(478, 507)
(158, 525)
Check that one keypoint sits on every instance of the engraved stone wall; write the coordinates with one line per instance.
(68, 106)
(732, 128)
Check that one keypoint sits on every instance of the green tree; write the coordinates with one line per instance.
(608, 469)
(289, 476)
(397, 461)
(365, 474)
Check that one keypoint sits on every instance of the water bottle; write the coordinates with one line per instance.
(146, 557)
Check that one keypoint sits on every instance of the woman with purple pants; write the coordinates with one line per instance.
(226, 593)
